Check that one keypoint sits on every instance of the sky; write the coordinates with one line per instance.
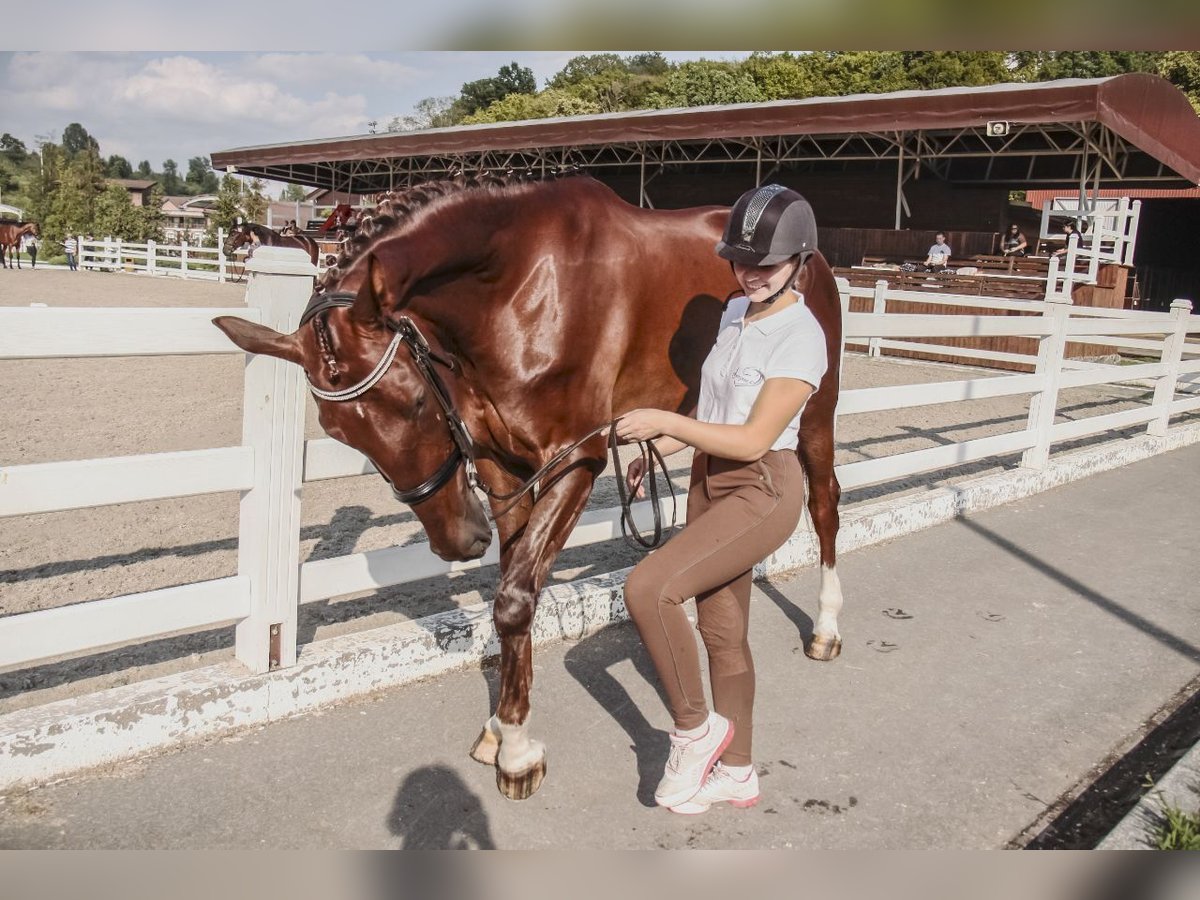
(176, 105)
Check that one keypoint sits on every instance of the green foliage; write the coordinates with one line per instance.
(1048, 65)
(115, 215)
(477, 95)
(12, 149)
(118, 167)
(432, 112)
(170, 179)
(704, 83)
(72, 189)
(1179, 830)
(201, 179)
(76, 140)
(144, 170)
(254, 201)
(932, 69)
(782, 76)
(549, 103)
(292, 193)
(228, 208)
(586, 66)
(1182, 69)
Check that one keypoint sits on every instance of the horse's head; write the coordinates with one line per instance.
(240, 234)
(397, 422)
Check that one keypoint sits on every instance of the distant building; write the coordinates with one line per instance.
(186, 218)
(138, 188)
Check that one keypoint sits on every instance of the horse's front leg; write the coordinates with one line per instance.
(531, 542)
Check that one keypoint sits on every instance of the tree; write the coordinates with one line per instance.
(588, 65)
(932, 69)
(74, 192)
(1182, 69)
(549, 103)
(76, 139)
(293, 193)
(144, 169)
(704, 83)
(228, 208)
(477, 95)
(432, 112)
(150, 217)
(118, 167)
(13, 149)
(170, 180)
(201, 176)
(255, 201)
(782, 76)
(115, 215)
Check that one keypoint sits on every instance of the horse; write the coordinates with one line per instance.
(246, 232)
(530, 313)
(10, 241)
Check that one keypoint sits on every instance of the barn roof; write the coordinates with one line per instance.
(1126, 130)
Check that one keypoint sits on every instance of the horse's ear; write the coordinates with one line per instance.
(368, 302)
(255, 338)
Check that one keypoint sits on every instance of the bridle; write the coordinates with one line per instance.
(405, 331)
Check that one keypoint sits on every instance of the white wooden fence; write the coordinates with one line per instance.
(182, 260)
(274, 460)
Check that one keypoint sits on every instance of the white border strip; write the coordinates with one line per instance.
(67, 736)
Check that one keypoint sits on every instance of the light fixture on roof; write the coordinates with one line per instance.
(997, 129)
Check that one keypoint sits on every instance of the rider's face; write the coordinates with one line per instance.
(760, 282)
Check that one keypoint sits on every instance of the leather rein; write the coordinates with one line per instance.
(404, 331)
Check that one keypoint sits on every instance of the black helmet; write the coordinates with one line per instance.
(767, 226)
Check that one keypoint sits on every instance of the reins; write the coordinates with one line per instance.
(406, 332)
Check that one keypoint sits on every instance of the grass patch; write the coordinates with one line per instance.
(1178, 830)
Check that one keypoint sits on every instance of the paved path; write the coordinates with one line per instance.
(990, 663)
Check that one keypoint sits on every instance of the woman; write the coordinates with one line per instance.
(1014, 242)
(746, 496)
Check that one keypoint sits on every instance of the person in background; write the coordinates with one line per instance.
(31, 247)
(1014, 243)
(71, 247)
(939, 254)
(1068, 230)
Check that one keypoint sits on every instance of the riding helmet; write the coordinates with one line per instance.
(769, 225)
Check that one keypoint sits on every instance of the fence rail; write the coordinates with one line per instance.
(274, 460)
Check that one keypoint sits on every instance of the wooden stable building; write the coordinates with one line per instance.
(883, 172)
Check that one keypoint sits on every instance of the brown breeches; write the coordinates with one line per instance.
(738, 513)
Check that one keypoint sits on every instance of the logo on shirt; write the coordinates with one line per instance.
(747, 376)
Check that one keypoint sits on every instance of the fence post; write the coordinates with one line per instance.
(1044, 404)
(151, 257)
(878, 308)
(120, 264)
(79, 251)
(183, 259)
(281, 281)
(1172, 354)
(220, 255)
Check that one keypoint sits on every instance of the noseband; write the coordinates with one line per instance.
(406, 332)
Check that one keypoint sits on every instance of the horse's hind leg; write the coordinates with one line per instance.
(816, 453)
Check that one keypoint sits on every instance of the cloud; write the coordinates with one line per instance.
(182, 88)
(318, 69)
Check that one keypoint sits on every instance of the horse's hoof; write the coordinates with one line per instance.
(486, 747)
(521, 785)
(823, 649)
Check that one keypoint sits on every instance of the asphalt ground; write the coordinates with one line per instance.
(992, 665)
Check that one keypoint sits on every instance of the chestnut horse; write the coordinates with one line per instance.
(10, 241)
(245, 233)
(530, 314)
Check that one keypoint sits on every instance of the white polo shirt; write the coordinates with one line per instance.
(786, 344)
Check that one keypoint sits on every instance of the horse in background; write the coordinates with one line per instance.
(10, 241)
(529, 314)
(253, 234)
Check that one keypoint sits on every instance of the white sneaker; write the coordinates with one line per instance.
(720, 787)
(690, 761)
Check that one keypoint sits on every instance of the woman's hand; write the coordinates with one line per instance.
(642, 424)
(634, 476)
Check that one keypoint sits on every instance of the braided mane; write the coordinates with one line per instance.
(395, 209)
